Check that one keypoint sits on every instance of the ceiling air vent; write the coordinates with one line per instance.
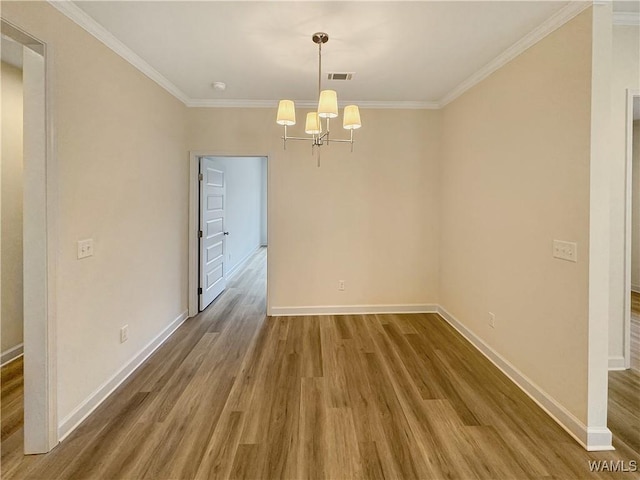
(340, 76)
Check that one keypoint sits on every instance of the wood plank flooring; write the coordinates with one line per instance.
(635, 303)
(235, 394)
(624, 407)
(11, 398)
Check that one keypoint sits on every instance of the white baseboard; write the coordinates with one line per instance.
(599, 439)
(11, 354)
(617, 363)
(351, 310)
(71, 421)
(236, 267)
(635, 288)
(591, 439)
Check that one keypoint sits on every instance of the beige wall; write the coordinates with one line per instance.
(635, 209)
(515, 176)
(369, 218)
(11, 215)
(122, 156)
(625, 73)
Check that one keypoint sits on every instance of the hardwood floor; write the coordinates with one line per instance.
(235, 394)
(624, 407)
(12, 392)
(635, 303)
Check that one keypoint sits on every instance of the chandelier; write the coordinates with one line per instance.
(327, 109)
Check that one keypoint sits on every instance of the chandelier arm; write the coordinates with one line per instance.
(328, 130)
(297, 138)
(341, 140)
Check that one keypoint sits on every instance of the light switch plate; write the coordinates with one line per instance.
(85, 248)
(565, 250)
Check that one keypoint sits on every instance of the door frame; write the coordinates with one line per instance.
(194, 223)
(40, 259)
(626, 350)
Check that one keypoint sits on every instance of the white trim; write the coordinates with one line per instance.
(194, 226)
(550, 25)
(628, 226)
(236, 267)
(11, 354)
(617, 363)
(230, 103)
(599, 254)
(351, 310)
(561, 415)
(368, 104)
(75, 418)
(599, 439)
(631, 19)
(80, 17)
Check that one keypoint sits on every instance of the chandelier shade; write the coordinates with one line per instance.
(351, 117)
(328, 104)
(312, 126)
(286, 113)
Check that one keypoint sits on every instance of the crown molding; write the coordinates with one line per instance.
(554, 22)
(406, 105)
(228, 103)
(80, 17)
(631, 19)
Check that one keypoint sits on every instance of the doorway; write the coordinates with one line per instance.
(631, 323)
(35, 221)
(228, 221)
(624, 381)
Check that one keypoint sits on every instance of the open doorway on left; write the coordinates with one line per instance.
(28, 246)
(11, 238)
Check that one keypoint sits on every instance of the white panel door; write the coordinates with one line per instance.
(212, 233)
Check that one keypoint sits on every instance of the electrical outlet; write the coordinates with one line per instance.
(85, 248)
(565, 250)
(124, 333)
(492, 320)
(341, 285)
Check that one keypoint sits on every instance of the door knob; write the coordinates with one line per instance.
(226, 233)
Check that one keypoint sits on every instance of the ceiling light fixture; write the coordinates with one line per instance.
(327, 109)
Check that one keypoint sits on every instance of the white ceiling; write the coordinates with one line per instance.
(402, 51)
